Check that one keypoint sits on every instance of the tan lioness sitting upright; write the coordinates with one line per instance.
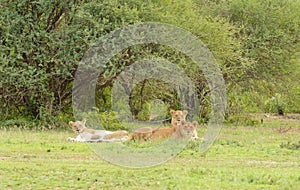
(146, 133)
(178, 117)
(85, 134)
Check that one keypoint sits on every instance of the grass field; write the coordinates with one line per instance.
(266, 156)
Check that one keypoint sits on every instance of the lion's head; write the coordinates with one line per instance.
(77, 126)
(188, 130)
(178, 117)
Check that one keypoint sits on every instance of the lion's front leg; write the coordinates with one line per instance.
(77, 139)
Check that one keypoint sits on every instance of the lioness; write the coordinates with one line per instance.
(187, 130)
(85, 134)
(163, 132)
(146, 133)
(178, 117)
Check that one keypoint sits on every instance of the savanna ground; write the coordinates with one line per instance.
(265, 156)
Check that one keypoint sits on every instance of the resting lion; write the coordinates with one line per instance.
(142, 133)
(188, 130)
(146, 133)
(85, 134)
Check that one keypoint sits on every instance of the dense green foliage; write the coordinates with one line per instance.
(269, 33)
(256, 44)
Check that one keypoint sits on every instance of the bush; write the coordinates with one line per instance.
(275, 104)
(102, 120)
(269, 36)
(20, 122)
(41, 44)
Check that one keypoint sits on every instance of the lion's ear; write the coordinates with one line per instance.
(73, 125)
(83, 121)
(172, 111)
(185, 112)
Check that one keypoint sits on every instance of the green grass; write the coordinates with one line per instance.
(241, 158)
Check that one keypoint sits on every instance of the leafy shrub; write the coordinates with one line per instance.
(102, 120)
(144, 114)
(269, 36)
(41, 44)
(275, 104)
(242, 120)
(20, 122)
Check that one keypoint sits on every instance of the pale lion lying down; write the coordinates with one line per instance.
(85, 134)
